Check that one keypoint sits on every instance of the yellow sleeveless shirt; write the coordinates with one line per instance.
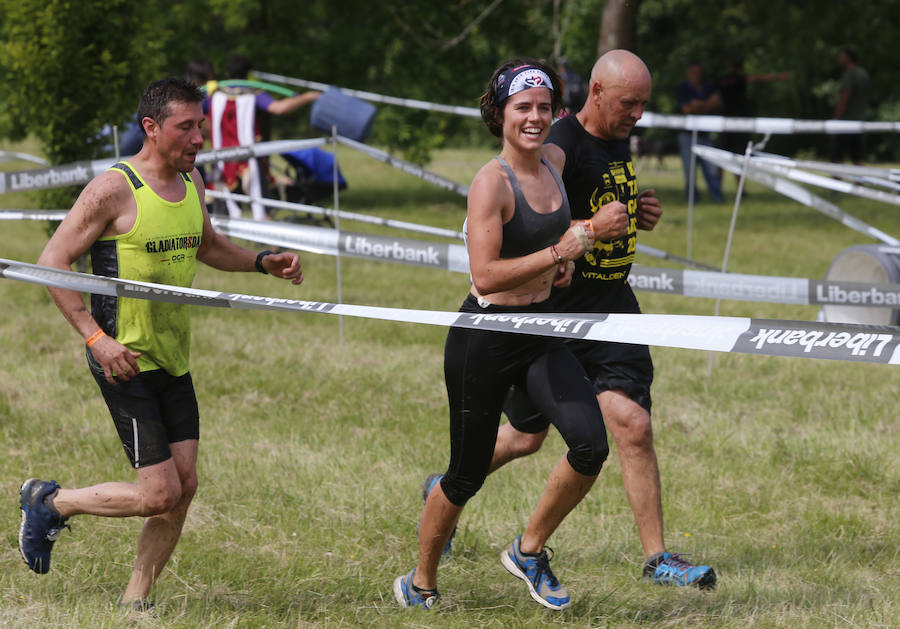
(161, 247)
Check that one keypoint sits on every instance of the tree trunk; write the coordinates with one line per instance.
(617, 30)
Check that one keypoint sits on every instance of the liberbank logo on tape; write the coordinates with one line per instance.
(841, 293)
(657, 280)
(396, 249)
(787, 338)
(79, 172)
(569, 327)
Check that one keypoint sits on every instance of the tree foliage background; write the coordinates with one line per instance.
(68, 67)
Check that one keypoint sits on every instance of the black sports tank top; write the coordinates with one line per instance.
(529, 231)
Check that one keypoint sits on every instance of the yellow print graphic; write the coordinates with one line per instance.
(593, 275)
(605, 254)
(598, 202)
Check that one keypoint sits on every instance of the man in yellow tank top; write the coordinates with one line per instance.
(142, 220)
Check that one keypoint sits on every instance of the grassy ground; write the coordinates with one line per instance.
(781, 473)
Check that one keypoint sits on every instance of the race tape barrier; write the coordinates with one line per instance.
(452, 257)
(734, 163)
(25, 157)
(891, 174)
(353, 216)
(326, 241)
(469, 112)
(776, 126)
(796, 174)
(876, 181)
(32, 215)
(82, 172)
(407, 167)
(799, 339)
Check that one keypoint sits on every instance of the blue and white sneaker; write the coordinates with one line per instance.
(41, 523)
(671, 569)
(535, 571)
(427, 486)
(408, 595)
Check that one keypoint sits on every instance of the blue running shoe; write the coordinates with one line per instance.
(535, 571)
(427, 486)
(671, 569)
(41, 523)
(408, 595)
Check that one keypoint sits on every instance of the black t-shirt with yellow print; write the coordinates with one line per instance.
(597, 172)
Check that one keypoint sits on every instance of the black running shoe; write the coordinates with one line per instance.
(41, 523)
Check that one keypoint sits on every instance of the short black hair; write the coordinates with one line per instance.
(238, 66)
(154, 103)
(492, 111)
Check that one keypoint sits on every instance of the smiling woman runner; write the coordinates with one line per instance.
(521, 241)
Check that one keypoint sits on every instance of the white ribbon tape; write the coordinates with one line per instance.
(801, 339)
(25, 157)
(649, 119)
(891, 174)
(82, 172)
(405, 166)
(733, 163)
(789, 170)
(353, 216)
(452, 257)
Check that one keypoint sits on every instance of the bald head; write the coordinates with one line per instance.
(619, 90)
(617, 67)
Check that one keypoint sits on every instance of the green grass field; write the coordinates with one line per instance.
(781, 473)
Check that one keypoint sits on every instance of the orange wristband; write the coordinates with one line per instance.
(96, 336)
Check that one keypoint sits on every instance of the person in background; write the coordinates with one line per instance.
(573, 86)
(697, 96)
(732, 88)
(201, 73)
(853, 104)
(234, 122)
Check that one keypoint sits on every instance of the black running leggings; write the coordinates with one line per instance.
(480, 366)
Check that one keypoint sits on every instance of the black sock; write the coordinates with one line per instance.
(653, 560)
(424, 592)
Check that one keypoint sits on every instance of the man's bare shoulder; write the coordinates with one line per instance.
(105, 196)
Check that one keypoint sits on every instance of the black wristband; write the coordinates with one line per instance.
(262, 254)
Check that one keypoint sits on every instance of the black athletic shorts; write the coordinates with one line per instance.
(150, 411)
(608, 366)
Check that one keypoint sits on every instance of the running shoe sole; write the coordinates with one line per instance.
(398, 591)
(22, 500)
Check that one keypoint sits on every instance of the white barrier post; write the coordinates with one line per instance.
(691, 176)
(337, 228)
